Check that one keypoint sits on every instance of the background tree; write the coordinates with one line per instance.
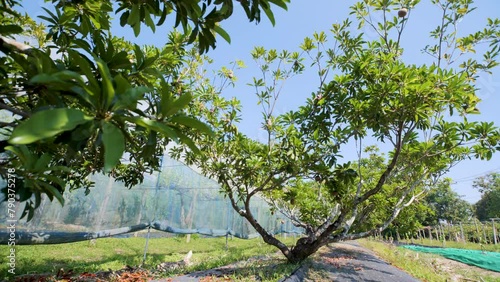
(447, 204)
(489, 204)
(82, 98)
(366, 91)
(381, 205)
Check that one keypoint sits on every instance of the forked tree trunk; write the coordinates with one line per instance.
(303, 249)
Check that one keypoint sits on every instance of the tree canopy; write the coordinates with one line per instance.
(365, 91)
(82, 101)
(489, 205)
(447, 204)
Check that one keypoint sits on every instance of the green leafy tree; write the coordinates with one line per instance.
(83, 99)
(380, 206)
(489, 204)
(447, 204)
(365, 92)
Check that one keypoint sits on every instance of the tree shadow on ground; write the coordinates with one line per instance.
(346, 262)
(254, 269)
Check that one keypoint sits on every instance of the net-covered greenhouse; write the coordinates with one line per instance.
(175, 200)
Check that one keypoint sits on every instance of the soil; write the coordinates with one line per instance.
(458, 271)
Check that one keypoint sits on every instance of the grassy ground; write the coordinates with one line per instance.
(453, 244)
(116, 254)
(430, 267)
(209, 253)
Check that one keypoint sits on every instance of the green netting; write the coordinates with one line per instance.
(176, 199)
(483, 259)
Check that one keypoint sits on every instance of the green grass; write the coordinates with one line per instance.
(424, 266)
(115, 254)
(454, 244)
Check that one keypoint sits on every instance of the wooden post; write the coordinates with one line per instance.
(484, 234)
(444, 236)
(462, 232)
(494, 231)
(430, 233)
(477, 230)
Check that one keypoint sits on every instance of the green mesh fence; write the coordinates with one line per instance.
(483, 259)
(176, 200)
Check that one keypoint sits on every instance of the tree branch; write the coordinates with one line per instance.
(266, 236)
(328, 222)
(288, 213)
(397, 209)
(6, 124)
(14, 110)
(10, 45)
(387, 172)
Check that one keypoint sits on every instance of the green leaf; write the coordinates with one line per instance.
(163, 16)
(43, 162)
(193, 123)
(126, 95)
(270, 15)
(134, 17)
(108, 91)
(48, 123)
(10, 29)
(280, 3)
(166, 98)
(124, 18)
(56, 180)
(178, 104)
(52, 191)
(58, 81)
(114, 145)
(23, 154)
(149, 22)
(128, 100)
(188, 141)
(155, 126)
(137, 29)
(222, 33)
(85, 67)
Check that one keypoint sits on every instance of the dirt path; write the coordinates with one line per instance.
(348, 261)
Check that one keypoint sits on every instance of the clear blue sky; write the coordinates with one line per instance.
(302, 19)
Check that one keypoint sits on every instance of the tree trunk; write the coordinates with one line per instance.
(303, 249)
